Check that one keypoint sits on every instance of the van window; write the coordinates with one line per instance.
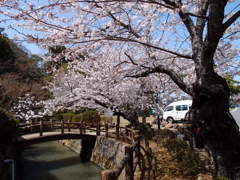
(182, 108)
(169, 108)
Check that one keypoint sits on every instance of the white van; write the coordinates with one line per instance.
(177, 110)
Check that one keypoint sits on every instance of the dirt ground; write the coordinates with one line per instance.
(166, 166)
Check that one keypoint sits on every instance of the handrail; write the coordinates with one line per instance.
(127, 163)
(41, 126)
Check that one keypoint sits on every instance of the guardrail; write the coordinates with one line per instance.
(121, 133)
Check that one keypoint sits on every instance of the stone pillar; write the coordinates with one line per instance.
(41, 127)
(87, 148)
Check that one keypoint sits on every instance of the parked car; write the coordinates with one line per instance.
(176, 111)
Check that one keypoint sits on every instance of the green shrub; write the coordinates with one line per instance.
(67, 116)
(8, 127)
(57, 116)
(87, 117)
(91, 117)
(77, 118)
(8, 132)
(221, 178)
(6, 52)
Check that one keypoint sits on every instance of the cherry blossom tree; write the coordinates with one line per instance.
(28, 108)
(102, 84)
(194, 42)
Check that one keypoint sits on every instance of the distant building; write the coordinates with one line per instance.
(236, 114)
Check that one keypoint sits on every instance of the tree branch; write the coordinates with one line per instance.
(188, 23)
(126, 26)
(231, 20)
(201, 20)
(100, 103)
(184, 16)
(174, 76)
(149, 45)
(132, 61)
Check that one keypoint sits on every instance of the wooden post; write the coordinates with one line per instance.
(98, 129)
(127, 132)
(31, 125)
(62, 126)
(68, 125)
(158, 122)
(106, 128)
(83, 126)
(138, 151)
(41, 127)
(129, 165)
(144, 119)
(80, 127)
(118, 125)
(51, 124)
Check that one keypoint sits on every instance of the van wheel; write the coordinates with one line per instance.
(170, 120)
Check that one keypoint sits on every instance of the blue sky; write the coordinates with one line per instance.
(34, 49)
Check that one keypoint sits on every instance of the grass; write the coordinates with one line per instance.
(124, 122)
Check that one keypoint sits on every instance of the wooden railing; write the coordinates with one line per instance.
(129, 162)
(136, 155)
(43, 126)
(40, 126)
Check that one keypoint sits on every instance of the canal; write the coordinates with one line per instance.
(53, 161)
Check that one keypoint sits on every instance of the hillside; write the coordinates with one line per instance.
(19, 73)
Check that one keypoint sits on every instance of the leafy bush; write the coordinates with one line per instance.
(7, 127)
(88, 117)
(8, 132)
(6, 52)
(221, 178)
(91, 117)
(77, 118)
(67, 116)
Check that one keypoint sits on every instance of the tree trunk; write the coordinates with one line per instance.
(210, 110)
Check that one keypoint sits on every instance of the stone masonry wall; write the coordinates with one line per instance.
(73, 144)
(108, 152)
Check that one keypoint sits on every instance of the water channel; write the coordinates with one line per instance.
(52, 161)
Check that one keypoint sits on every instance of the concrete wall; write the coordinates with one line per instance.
(73, 144)
(106, 153)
